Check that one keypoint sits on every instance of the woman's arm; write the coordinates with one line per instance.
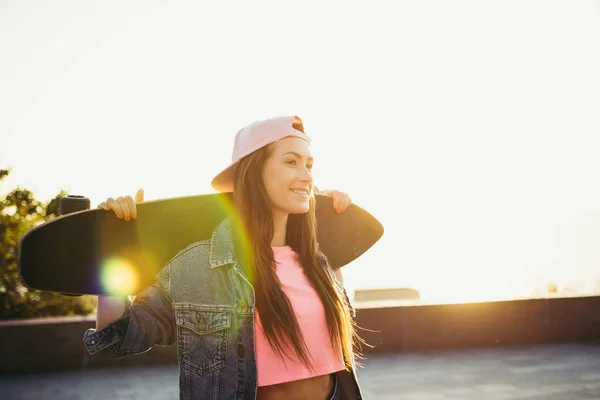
(110, 308)
(148, 322)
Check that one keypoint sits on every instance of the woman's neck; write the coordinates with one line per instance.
(280, 220)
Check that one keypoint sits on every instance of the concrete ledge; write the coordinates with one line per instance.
(53, 344)
(502, 323)
(56, 344)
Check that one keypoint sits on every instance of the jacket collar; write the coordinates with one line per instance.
(221, 245)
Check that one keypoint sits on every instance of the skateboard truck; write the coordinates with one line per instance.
(70, 204)
(73, 203)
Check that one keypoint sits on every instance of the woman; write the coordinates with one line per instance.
(256, 311)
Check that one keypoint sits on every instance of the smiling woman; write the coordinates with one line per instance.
(256, 311)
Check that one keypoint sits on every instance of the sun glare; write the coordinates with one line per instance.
(118, 277)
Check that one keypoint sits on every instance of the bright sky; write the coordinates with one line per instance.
(469, 128)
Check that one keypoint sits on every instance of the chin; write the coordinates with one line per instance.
(304, 211)
(299, 209)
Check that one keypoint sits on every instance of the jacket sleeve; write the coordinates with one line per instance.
(148, 321)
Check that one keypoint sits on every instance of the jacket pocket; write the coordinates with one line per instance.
(202, 338)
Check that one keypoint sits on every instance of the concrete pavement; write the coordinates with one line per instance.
(544, 372)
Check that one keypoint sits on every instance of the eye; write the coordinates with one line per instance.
(291, 162)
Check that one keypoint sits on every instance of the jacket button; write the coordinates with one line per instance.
(242, 303)
(240, 350)
(92, 342)
(241, 388)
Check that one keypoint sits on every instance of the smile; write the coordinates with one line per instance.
(300, 192)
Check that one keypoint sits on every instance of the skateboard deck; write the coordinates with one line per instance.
(94, 252)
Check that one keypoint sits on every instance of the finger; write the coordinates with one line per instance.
(124, 207)
(114, 205)
(345, 203)
(139, 196)
(336, 201)
(341, 206)
(104, 205)
(132, 207)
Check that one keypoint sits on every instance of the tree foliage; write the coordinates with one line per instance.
(19, 212)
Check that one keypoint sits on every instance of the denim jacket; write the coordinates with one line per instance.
(203, 302)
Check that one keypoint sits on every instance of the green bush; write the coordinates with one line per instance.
(19, 212)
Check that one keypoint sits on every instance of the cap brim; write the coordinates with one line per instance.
(224, 181)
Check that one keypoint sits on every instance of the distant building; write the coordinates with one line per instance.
(386, 294)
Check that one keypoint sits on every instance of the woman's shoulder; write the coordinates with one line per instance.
(191, 277)
(196, 251)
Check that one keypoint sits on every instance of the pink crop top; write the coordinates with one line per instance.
(311, 319)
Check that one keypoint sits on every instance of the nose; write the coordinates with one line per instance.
(306, 175)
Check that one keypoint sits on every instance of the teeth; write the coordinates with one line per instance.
(300, 191)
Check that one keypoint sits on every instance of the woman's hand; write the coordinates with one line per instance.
(123, 207)
(341, 200)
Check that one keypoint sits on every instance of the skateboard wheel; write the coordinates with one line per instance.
(73, 203)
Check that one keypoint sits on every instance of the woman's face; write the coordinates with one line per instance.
(287, 175)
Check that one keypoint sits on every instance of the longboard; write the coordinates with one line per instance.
(94, 252)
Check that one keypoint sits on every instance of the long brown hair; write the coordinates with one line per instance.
(274, 308)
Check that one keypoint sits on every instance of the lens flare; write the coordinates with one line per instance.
(118, 277)
(241, 238)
